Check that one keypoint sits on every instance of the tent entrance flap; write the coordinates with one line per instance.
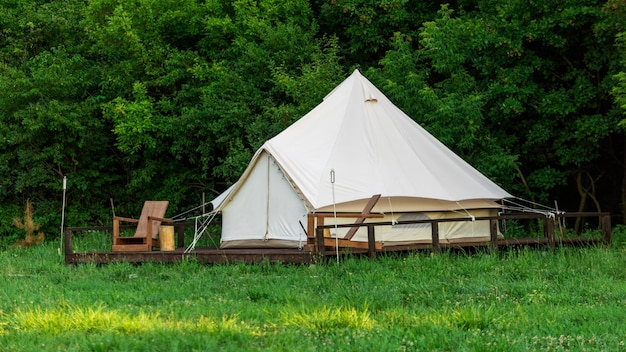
(265, 207)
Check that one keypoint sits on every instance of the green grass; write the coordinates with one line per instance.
(542, 300)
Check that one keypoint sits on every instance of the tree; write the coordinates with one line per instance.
(616, 22)
(196, 112)
(517, 86)
(365, 27)
(49, 105)
(142, 99)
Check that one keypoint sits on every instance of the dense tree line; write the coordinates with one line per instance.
(144, 99)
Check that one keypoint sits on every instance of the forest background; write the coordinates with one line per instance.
(168, 99)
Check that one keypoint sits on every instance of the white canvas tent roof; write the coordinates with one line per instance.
(373, 148)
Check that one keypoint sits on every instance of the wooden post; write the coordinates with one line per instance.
(548, 231)
(371, 242)
(605, 228)
(310, 228)
(435, 231)
(67, 244)
(180, 234)
(319, 236)
(493, 231)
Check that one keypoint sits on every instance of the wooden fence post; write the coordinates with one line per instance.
(435, 232)
(493, 231)
(319, 236)
(371, 242)
(67, 244)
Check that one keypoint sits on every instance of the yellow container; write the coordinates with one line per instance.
(166, 237)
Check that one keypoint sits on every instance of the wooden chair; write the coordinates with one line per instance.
(147, 231)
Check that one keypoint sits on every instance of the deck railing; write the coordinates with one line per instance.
(549, 236)
(548, 227)
(69, 232)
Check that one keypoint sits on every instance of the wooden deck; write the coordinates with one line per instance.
(317, 251)
(202, 254)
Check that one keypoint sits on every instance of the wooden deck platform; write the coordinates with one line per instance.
(202, 254)
(317, 250)
(225, 256)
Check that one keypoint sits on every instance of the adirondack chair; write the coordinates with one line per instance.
(146, 234)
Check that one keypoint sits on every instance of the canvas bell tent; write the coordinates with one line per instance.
(353, 145)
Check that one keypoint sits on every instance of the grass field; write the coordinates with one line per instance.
(541, 300)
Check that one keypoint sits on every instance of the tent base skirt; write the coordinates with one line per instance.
(298, 244)
(262, 244)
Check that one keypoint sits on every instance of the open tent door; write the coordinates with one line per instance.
(264, 211)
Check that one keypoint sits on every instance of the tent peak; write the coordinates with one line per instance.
(356, 79)
(369, 95)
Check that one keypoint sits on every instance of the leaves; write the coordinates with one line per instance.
(140, 99)
(134, 121)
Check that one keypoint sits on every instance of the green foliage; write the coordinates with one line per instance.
(8, 233)
(619, 89)
(515, 86)
(366, 26)
(136, 100)
(617, 21)
(48, 107)
(133, 122)
(145, 100)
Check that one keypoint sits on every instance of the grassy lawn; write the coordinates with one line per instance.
(566, 299)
